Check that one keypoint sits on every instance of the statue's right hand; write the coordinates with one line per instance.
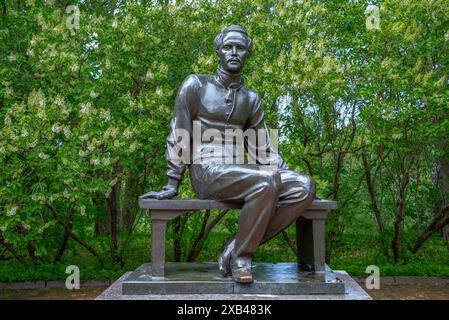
(167, 192)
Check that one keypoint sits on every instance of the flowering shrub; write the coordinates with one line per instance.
(84, 111)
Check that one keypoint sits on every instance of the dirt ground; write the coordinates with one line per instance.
(386, 292)
(411, 292)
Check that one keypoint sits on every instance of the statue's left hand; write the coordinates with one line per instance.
(167, 192)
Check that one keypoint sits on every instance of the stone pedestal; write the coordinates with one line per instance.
(272, 281)
(204, 278)
(191, 281)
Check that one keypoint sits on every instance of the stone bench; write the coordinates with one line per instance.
(309, 228)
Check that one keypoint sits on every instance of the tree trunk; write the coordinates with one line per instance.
(177, 235)
(114, 211)
(442, 183)
(440, 221)
(69, 224)
(129, 209)
(399, 218)
(370, 186)
(113, 214)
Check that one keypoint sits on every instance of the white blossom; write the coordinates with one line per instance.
(9, 92)
(149, 74)
(163, 68)
(59, 101)
(65, 111)
(85, 108)
(43, 156)
(95, 162)
(74, 67)
(12, 57)
(7, 120)
(11, 212)
(41, 115)
(128, 133)
(117, 144)
(55, 128)
(93, 94)
(36, 98)
(91, 147)
(13, 136)
(110, 132)
(33, 144)
(105, 115)
(267, 69)
(133, 146)
(67, 132)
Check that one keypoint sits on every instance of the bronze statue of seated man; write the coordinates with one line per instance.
(273, 197)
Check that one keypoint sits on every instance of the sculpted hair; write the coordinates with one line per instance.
(219, 38)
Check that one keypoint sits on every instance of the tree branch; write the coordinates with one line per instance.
(439, 222)
(70, 232)
(11, 249)
(198, 244)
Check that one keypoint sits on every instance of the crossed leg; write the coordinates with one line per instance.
(272, 201)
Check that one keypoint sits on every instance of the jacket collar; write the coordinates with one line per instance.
(229, 80)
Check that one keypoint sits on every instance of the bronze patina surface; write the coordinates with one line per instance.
(273, 197)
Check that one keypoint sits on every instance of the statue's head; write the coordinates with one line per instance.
(233, 47)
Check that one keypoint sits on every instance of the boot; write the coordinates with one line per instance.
(224, 261)
(241, 270)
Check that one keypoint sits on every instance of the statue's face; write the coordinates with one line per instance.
(233, 52)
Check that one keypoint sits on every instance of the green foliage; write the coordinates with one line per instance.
(84, 114)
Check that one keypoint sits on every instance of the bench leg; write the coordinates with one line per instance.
(310, 244)
(158, 228)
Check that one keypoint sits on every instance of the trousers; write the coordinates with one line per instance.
(272, 198)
